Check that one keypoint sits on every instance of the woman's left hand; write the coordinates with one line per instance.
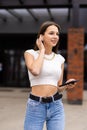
(70, 86)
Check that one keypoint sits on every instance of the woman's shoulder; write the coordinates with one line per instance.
(31, 51)
(60, 58)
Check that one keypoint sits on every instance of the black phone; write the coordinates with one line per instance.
(71, 82)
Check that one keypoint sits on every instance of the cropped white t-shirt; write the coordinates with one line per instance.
(50, 71)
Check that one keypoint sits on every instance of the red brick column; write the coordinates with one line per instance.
(75, 60)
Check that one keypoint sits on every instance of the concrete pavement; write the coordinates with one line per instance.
(13, 107)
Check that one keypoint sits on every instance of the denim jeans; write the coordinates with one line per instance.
(37, 113)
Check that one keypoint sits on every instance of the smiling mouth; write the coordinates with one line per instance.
(54, 42)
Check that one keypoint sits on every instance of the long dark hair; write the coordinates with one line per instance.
(42, 30)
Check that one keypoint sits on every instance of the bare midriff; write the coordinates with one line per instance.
(44, 90)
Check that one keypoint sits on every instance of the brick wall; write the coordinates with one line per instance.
(75, 60)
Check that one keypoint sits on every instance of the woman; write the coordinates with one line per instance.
(45, 69)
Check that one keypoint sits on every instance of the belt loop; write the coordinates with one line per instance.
(40, 99)
(52, 98)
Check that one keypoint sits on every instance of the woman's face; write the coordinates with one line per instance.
(51, 36)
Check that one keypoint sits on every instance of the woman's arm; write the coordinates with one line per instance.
(60, 89)
(34, 65)
(65, 87)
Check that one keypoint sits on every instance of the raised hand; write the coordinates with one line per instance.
(40, 44)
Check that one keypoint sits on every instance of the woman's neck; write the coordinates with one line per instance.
(48, 50)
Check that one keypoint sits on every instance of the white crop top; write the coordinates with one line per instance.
(50, 72)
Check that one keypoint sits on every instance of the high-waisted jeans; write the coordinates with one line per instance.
(37, 113)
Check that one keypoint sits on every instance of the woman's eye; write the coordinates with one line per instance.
(51, 33)
(58, 34)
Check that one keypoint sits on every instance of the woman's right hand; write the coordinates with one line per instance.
(40, 44)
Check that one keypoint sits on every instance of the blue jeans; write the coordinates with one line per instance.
(37, 113)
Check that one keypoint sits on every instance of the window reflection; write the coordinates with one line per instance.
(14, 72)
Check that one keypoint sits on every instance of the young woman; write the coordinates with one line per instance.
(45, 69)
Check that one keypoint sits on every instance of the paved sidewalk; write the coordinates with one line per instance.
(13, 106)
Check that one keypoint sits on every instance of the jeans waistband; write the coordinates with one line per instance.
(46, 99)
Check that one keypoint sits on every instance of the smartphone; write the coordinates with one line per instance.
(71, 82)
